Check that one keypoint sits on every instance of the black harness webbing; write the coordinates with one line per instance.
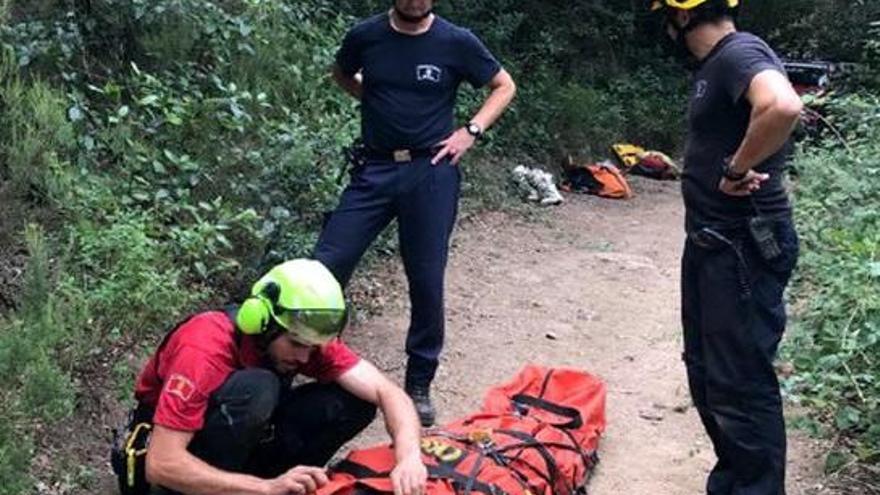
(460, 481)
(503, 456)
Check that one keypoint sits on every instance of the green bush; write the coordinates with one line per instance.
(47, 392)
(172, 172)
(127, 280)
(34, 388)
(35, 136)
(836, 336)
(16, 448)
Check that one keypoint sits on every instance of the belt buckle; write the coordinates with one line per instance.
(402, 156)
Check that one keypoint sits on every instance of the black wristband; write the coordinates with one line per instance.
(730, 174)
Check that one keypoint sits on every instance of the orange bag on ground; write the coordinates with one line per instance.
(602, 179)
(614, 185)
(535, 435)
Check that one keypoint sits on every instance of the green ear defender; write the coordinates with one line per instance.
(255, 312)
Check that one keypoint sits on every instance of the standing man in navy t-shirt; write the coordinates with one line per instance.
(741, 244)
(405, 66)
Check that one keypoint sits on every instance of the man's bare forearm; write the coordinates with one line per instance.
(503, 89)
(352, 84)
(401, 422)
(767, 133)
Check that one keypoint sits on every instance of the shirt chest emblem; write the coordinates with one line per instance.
(428, 72)
(702, 86)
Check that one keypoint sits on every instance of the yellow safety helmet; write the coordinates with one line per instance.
(686, 4)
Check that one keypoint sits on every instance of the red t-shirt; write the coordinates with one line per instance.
(198, 358)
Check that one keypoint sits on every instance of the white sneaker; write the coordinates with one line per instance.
(546, 187)
(521, 178)
(550, 194)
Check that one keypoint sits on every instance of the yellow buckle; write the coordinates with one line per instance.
(402, 156)
(131, 453)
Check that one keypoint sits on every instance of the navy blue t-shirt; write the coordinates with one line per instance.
(410, 82)
(717, 122)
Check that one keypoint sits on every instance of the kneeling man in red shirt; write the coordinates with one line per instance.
(225, 417)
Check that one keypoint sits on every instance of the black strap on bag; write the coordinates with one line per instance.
(522, 403)
(461, 482)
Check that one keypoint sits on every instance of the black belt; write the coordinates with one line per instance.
(718, 235)
(711, 239)
(402, 155)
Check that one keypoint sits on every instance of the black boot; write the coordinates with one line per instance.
(421, 397)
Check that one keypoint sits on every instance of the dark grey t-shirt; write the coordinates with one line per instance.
(410, 82)
(717, 121)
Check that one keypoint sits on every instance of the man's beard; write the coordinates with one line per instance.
(412, 19)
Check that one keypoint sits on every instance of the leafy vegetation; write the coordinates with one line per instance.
(156, 154)
(836, 339)
(169, 150)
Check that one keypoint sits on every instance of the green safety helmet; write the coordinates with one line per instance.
(302, 297)
(687, 4)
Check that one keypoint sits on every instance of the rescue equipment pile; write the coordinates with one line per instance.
(604, 178)
(535, 435)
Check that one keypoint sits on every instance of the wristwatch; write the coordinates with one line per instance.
(730, 174)
(474, 130)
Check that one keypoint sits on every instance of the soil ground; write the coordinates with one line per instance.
(591, 284)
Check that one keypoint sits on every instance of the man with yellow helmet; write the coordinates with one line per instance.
(741, 244)
(216, 399)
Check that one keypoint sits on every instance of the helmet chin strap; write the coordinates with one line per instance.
(412, 19)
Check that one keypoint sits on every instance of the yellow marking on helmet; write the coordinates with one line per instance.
(686, 4)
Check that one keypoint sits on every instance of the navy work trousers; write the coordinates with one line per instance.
(254, 425)
(733, 316)
(424, 200)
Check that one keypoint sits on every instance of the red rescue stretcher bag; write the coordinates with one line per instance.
(535, 435)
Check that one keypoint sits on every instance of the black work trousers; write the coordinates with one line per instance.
(255, 426)
(423, 198)
(734, 316)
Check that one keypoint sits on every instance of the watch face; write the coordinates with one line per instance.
(474, 130)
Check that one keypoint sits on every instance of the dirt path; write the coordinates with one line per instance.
(591, 284)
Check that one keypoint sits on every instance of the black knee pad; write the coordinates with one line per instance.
(254, 392)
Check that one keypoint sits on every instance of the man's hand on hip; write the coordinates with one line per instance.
(300, 480)
(454, 147)
(745, 186)
(409, 476)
